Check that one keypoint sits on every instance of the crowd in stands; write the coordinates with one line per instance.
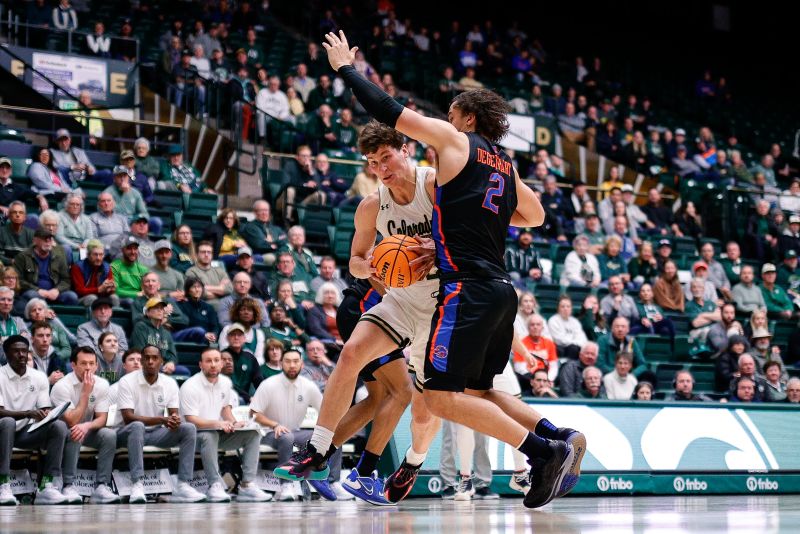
(254, 289)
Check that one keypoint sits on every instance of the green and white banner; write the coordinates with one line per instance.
(663, 447)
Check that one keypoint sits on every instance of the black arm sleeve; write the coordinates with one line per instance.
(377, 103)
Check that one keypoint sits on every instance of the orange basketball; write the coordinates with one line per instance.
(391, 259)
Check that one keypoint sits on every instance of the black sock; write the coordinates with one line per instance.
(367, 463)
(546, 429)
(535, 447)
(331, 451)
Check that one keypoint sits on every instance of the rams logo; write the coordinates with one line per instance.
(440, 351)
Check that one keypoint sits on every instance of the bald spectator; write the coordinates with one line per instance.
(109, 225)
(684, 388)
(617, 303)
(746, 294)
(702, 313)
(327, 273)
(303, 258)
(15, 236)
(570, 375)
(318, 368)
(259, 281)
(747, 372)
(264, 237)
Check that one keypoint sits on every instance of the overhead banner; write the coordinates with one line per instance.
(110, 82)
(652, 447)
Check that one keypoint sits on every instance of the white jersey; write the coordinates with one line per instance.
(412, 219)
(405, 313)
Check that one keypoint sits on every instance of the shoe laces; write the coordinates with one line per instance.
(464, 484)
(404, 474)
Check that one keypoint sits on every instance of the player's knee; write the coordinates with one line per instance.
(402, 393)
(352, 355)
(439, 403)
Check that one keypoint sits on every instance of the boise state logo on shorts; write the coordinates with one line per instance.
(440, 351)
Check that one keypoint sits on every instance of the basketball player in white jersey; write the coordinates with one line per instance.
(403, 204)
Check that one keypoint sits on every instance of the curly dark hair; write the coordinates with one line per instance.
(376, 134)
(246, 302)
(490, 110)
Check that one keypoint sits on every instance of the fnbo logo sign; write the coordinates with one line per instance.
(614, 484)
(761, 484)
(689, 484)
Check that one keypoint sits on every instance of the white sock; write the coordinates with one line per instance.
(465, 445)
(321, 439)
(415, 458)
(520, 461)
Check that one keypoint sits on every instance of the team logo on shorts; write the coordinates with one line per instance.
(440, 351)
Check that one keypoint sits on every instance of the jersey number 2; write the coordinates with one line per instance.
(496, 191)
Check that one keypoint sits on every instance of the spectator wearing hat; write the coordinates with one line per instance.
(261, 235)
(74, 161)
(170, 280)
(25, 398)
(241, 289)
(109, 225)
(11, 191)
(790, 238)
(151, 330)
(746, 294)
(151, 288)
(141, 234)
(15, 236)
(75, 228)
(700, 271)
(43, 271)
(246, 372)
(259, 287)
(92, 277)
(180, 176)
(127, 272)
(214, 277)
(128, 200)
(635, 214)
(663, 253)
(202, 316)
(779, 304)
(89, 332)
(521, 259)
(763, 351)
(138, 179)
(788, 276)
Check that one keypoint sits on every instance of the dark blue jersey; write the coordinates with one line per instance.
(472, 212)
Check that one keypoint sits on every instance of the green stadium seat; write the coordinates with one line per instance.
(344, 218)
(341, 240)
(315, 220)
(203, 204)
(71, 316)
(656, 348)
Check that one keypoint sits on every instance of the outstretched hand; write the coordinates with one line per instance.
(339, 52)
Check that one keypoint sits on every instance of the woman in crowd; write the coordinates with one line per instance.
(758, 320)
(109, 361)
(668, 292)
(224, 235)
(272, 358)
(75, 228)
(689, 221)
(11, 281)
(322, 318)
(611, 263)
(727, 364)
(145, 163)
(248, 313)
(202, 315)
(643, 391)
(46, 178)
(184, 255)
(37, 310)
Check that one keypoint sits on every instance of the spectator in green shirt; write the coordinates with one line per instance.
(788, 276)
(702, 313)
(129, 200)
(779, 305)
(345, 132)
(128, 272)
(150, 330)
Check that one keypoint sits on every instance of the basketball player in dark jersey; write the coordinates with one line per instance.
(478, 194)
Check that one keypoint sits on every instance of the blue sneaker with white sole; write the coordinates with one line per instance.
(324, 489)
(368, 489)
